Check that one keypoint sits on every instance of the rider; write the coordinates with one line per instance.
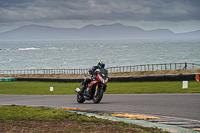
(93, 72)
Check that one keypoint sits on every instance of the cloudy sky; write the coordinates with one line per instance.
(175, 15)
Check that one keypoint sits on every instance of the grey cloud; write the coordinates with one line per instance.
(15, 3)
(181, 10)
(130, 10)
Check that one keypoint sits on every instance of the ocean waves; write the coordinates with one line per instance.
(20, 48)
(83, 54)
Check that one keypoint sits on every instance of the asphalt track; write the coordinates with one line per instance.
(186, 106)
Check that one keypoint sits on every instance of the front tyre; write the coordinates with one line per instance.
(97, 98)
(80, 98)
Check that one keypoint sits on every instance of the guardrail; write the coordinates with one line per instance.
(45, 71)
(147, 67)
(174, 77)
(155, 67)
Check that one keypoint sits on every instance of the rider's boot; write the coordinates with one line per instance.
(83, 88)
(88, 92)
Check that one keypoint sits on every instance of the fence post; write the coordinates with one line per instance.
(146, 67)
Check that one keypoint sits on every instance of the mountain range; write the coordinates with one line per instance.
(92, 32)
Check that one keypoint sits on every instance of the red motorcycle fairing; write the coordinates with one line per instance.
(92, 83)
(105, 81)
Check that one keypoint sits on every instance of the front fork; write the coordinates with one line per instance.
(97, 89)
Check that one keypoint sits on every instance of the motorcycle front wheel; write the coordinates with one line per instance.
(80, 98)
(98, 96)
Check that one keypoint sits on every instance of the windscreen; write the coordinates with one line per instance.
(104, 72)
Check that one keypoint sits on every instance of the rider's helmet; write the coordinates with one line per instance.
(101, 64)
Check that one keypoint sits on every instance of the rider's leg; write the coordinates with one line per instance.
(85, 83)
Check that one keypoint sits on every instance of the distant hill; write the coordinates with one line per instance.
(113, 31)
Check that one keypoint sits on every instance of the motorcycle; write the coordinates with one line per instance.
(94, 89)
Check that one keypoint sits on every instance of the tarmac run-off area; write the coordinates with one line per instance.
(172, 112)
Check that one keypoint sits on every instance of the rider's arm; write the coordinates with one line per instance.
(92, 70)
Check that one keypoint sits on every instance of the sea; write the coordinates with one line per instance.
(83, 54)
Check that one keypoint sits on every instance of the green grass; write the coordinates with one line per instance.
(153, 87)
(27, 113)
(43, 88)
(37, 88)
(27, 118)
(41, 114)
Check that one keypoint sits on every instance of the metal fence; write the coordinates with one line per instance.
(147, 67)
(154, 67)
(45, 71)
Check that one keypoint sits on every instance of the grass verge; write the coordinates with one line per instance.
(29, 119)
(43, 88)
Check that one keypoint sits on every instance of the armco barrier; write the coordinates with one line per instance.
(6, 79)
(174, 77)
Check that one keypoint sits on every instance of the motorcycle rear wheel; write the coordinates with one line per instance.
(80, 98)
(99, 96)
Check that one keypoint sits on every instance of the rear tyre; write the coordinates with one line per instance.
(99, 96)
(80, 98)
